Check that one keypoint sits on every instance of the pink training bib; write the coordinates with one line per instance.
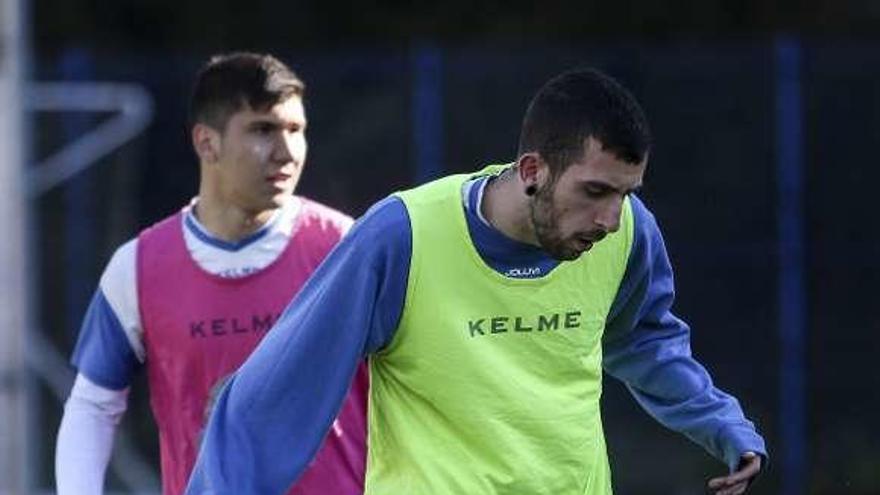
(199, 327)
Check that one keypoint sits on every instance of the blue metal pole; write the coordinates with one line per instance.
(79, 211)
(792, 296)
(427, 112)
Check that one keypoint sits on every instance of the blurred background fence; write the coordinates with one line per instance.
(761, 179)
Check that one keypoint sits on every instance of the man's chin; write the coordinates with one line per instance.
(571, 256)
(565, 255)
(280, 200)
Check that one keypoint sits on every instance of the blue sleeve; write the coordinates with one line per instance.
(272, 416)
(648, 348)
(103, 353)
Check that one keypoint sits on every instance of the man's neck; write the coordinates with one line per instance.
(228, 222)
(506, 208)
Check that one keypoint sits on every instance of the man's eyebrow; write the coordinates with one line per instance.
(291, 123)
(274, 123)
(263, 121)
(609, 187)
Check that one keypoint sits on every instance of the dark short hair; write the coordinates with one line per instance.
(579, 104)
(228, 83)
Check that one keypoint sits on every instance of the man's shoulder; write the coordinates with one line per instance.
(122, 263)
(647, 238)
(163, 225)
(118, 282)
(384, 226)
(645, 222)
(387, 216)
(325, 216)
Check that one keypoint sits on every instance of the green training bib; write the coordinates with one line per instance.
(491, 384)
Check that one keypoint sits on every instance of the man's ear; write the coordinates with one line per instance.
(206, 142)
(532, 171)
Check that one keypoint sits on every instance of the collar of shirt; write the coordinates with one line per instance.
(243, 257)
(505, 255)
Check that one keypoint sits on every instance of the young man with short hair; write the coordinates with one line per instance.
(191, 296)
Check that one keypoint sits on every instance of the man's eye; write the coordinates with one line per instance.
(264, 129)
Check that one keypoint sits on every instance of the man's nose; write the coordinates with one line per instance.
(609, 216)
(283, 149)
(289, 146)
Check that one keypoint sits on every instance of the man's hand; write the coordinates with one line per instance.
(737, 482)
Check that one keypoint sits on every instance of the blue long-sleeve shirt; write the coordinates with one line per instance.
(270, 419)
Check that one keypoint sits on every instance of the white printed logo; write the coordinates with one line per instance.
(532, 271)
